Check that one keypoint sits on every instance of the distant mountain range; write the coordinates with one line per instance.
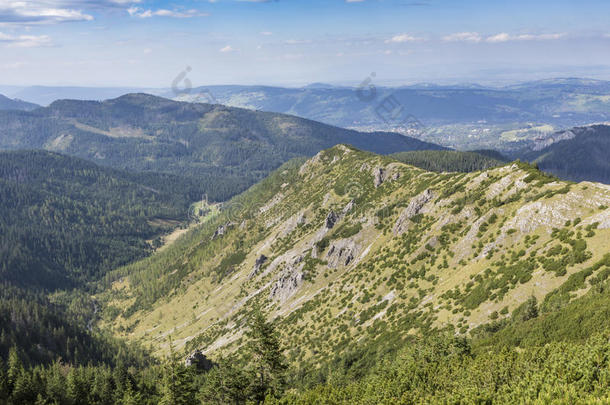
(578, 154)
(45, 95)
(227, 149)
(560, 101)
(16, 104)
(461, 116)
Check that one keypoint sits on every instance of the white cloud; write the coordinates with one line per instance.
(403, 38)
(31, 12)
(266, 33)
(504, 37)
(25, 41)
(123, 2)
(297, 41)
(463, 36)
(141, 13)
(500, 37)
(227, 49)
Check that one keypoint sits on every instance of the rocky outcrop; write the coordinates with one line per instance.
(289, 281)
(348, 207)
(197, 359)
(222, 229)
(382, 174)
(331, 219)
(379, 174)
(414, 208)
(341, 253)
(258, 264)
(292, 223)
(272, 203)
(544, 141)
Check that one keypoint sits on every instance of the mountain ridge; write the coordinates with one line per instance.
(148, 133)
(576, 154)
(16, 104)
(348, 244)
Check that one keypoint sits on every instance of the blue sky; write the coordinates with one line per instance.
(293, 42)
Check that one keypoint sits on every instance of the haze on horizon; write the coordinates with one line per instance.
(148, 43)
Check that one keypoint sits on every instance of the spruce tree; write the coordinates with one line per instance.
(178, 386)
(268, 361)
(4, 386)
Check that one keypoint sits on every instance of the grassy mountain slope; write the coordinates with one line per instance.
(349, 245)
(226, 149)
(65, 221)
(10, 104)
(582, 154)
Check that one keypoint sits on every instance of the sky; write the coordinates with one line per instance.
(154, 43)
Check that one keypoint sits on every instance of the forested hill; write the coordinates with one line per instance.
(10, 104)
(65, 221)
(583, 154)
(226, 148)
(451, 160)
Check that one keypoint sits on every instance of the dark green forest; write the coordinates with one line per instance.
(450, 161)
(65, 221)
(585, 157)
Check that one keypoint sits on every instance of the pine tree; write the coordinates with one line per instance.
(77, 392)
(15, 367)
(131, 397)
(530, 309)
(178, 386)
(226, 384)
(4, 386)
(269, 363)
(22, 390)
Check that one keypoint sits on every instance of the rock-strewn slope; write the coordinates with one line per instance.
(351, 243)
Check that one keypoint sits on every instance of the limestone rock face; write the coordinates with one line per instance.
(222, 229)
(348, 207)
(262, 259)
(379, 174)
(198, 360)
(289, 281)
(331, 219)
(219, 232)
(414, 208)
(342, 253)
